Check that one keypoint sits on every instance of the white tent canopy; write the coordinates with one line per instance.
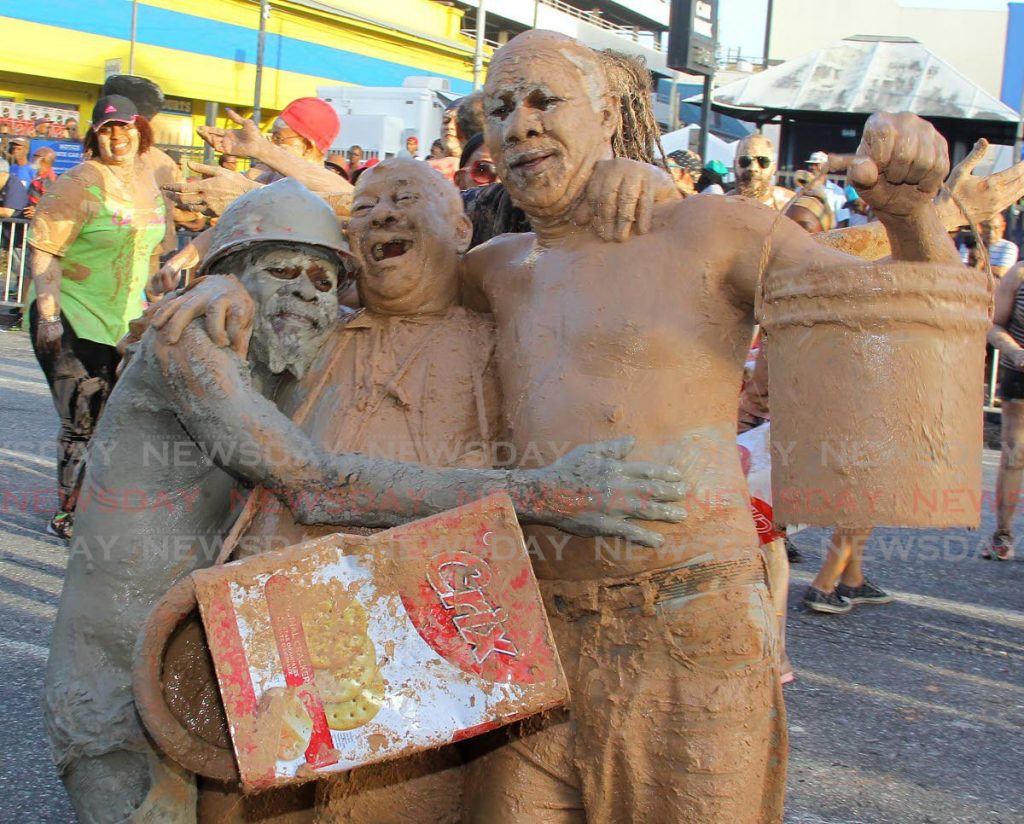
(864, 73)
(718, 149)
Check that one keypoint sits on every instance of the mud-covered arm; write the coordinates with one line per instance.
(248, 141)
(473, 267)
(188, 257)
(46, 276)
(898, 170)
(1005, 298)
(966, 197)
(588, 492)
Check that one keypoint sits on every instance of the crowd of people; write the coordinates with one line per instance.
(103, 245)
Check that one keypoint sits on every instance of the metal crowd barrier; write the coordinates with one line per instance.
(13, 261)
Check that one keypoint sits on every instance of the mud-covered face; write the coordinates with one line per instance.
(119, 143)
(753, 176)
(288, 139)
(449, 133)
(406, 231)
(546, 126)
(295, 290)
(993, 230)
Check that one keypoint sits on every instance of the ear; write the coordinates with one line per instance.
(463, 233)
(611, 114)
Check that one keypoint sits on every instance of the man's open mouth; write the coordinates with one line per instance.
(390, 249)
(295, 317)
(531, 161)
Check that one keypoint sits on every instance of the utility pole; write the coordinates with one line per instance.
(260, 47)
(478, 53)
(673, 102)
(211, 120)
(131, 48)
(767, 35)
(705, 115)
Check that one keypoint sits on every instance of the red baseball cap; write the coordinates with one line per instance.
(314, 119)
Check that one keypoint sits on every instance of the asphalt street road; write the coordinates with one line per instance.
(912, 712)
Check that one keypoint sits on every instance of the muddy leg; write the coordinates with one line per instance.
(1011, 465)
(777, 565)
(525, 775)
(838, 558)
(680, 715)
(107, 788)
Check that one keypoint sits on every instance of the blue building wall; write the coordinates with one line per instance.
(1013, 62)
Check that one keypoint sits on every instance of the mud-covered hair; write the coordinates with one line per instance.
(630, 81)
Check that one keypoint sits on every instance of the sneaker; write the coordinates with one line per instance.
(62, 525)
(866, 593)
(792, 553)
(826, 601)
(1001, 548)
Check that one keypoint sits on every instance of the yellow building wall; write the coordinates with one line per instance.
(49, 62)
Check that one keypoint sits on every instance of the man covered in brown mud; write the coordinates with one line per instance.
(755, 166)
(188, 421)
(677, 712)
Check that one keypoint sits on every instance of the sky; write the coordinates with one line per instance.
(741, 22)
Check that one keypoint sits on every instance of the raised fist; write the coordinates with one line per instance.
(900, 164)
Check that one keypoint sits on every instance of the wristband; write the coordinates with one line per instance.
(54, 319)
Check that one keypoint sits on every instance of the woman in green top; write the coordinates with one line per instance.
(93, 237)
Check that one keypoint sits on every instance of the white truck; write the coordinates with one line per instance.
(380, 119)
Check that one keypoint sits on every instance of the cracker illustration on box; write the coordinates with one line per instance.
(347, 650)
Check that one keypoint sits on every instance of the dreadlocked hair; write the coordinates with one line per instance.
(638, 133)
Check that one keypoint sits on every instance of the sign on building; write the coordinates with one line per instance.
(693, 32)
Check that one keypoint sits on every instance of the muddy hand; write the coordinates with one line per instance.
(213, 194)
(981, 197)
(164, 280)
(48, 335)
(592, 491)
(244, 142)
(900, 164)
(222, 301)
(621, 196)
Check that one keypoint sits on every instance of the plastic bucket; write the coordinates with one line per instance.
(876, 394)
(176, 691)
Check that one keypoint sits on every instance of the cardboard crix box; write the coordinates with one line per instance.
(347, 650)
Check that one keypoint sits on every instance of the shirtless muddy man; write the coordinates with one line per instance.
(677, 714)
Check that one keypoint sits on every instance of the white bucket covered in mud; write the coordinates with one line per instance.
(876, 394)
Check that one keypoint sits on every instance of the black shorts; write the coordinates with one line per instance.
(1011, 384)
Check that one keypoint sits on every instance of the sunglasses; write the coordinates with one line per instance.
(483, 172)
(746, 161)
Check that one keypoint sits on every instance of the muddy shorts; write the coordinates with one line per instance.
(1011, 384)
(676, 716)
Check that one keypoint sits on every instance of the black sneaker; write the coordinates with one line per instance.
(62, 525)
(826, 601)
(1001, 548)
(792, 553)
(866, 593)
